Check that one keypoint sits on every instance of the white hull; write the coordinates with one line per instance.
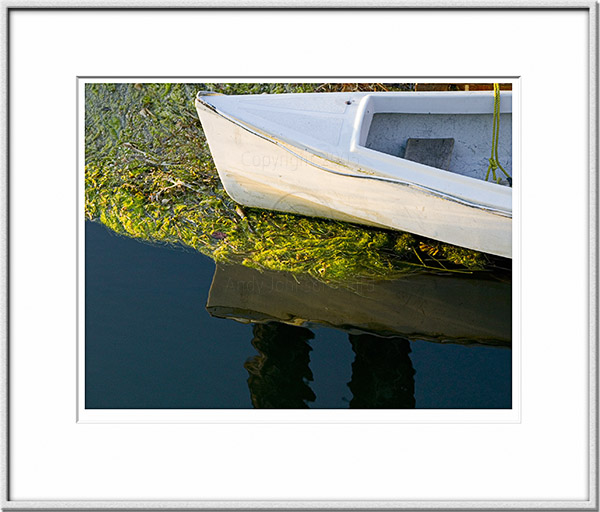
(294, 157)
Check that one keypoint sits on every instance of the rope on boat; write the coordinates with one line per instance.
(494, 160)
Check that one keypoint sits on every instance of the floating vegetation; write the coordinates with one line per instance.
(149, 175)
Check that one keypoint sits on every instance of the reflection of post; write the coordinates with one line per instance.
(382, 373)
(279, 374)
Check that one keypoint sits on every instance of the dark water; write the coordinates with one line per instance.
(154, 340)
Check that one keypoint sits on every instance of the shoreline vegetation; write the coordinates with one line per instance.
(149, 175)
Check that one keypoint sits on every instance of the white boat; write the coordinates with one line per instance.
(351, 157)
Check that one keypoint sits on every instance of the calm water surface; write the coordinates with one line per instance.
(158, 337)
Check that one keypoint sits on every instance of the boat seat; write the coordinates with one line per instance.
(432, 152)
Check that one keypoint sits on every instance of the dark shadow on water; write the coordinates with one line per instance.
(280, 373)
(279, 376)
(382, 373)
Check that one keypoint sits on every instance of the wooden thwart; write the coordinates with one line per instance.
(433, 152)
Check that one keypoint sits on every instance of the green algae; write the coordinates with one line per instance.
(149, 175)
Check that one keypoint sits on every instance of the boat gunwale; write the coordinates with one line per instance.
(201, 102)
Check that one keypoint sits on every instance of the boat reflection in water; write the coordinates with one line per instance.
(380, 318)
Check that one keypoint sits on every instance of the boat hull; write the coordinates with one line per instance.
(262, 171)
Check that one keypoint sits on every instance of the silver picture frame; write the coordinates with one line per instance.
(7, 397)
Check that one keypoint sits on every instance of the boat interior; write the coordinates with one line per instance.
(459, 141)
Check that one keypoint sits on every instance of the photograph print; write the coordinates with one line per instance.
(297, 245)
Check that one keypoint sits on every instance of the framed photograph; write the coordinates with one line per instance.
(264, 257)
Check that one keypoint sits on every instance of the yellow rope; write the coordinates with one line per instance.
(493, 160)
